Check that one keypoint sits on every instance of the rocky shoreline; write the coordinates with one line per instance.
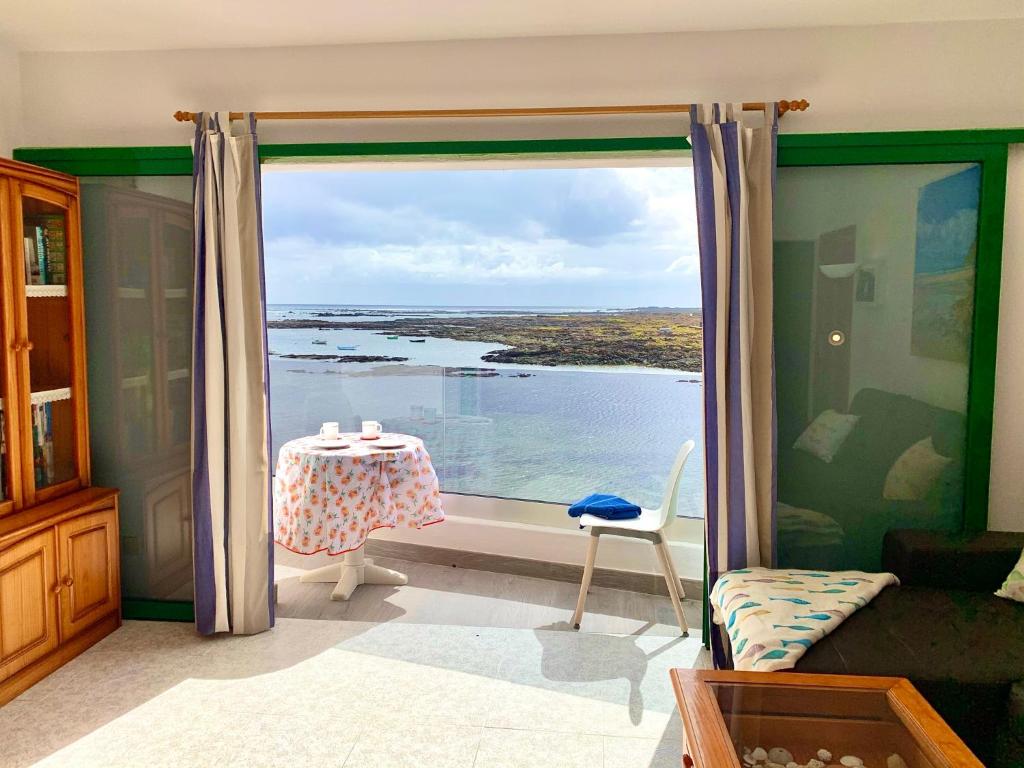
(652, 338)
(344, 358)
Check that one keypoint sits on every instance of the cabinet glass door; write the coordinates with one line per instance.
(47, 343)
(6, 501)
(7, 429)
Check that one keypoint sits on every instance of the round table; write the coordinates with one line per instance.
(330, 500)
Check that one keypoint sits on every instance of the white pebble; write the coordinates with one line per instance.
(851, 761)
(759, 754)
(895, 761)
(792, 764)
(780, 755)
(815, 763)
(770, 764)
(748, 759)
(824, 755)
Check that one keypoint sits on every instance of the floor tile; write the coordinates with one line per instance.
(328, 694)
(437, 746)
(504, 748)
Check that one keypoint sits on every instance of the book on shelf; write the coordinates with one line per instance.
(42, 444)
(45, 250)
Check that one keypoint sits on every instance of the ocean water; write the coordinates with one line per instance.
(554, 435)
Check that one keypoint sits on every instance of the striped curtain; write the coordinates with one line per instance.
(231, 508)
(734, 175)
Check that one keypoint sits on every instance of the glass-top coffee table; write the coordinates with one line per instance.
(765, 719)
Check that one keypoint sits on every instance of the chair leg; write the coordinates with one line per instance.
(588, 573)
(672, 582)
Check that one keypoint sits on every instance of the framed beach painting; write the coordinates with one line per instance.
(944, 266)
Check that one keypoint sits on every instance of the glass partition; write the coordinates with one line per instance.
(874, 302)
(137, 250)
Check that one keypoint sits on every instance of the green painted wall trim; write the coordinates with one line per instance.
(158, 610)
(515, 147)
(903, 138)
(111, 161)
(177, 160)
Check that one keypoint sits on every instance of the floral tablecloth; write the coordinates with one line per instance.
(331, 500)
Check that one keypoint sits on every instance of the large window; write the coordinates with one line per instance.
(539, 328)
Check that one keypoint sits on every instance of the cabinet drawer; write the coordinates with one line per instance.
(89, 577)
(28, 602)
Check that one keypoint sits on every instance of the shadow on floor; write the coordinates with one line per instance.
(617, 657)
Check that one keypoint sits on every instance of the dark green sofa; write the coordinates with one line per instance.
(945, 630)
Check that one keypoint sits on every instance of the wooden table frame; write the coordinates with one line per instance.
(708, 744)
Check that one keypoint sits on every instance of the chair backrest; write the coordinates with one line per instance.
(667, 510)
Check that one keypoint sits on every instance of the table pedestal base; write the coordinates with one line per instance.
(354, 570)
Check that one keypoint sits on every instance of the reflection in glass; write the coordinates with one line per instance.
(137, 249)
(874, 286)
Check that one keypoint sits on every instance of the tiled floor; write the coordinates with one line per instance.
(355, 694)
(438, 594)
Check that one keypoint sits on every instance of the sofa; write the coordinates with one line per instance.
(945, 630)
(849, 489)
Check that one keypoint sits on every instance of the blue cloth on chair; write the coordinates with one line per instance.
(605, 505)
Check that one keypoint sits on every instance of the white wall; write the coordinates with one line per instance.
(870, 78)
(10, 100)
(915, 76)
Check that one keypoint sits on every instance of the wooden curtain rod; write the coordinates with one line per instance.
(798, 105)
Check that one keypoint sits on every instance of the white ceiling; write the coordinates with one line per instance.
(105, 25)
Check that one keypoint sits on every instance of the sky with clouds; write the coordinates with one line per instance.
(583, 237)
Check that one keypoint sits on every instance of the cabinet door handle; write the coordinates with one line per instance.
(68, 581)
(27, 346)
(56, 588)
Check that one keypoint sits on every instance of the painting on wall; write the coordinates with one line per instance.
(944, 263)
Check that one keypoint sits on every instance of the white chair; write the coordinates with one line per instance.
(648, 526)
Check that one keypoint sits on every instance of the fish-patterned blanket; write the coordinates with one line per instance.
(773, 616)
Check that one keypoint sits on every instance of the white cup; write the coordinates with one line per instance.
(329, 430)
(371, 429)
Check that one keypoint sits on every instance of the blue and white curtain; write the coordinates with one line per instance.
(734, 173)
(231, 501)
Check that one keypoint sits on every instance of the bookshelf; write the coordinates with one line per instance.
(59, 562)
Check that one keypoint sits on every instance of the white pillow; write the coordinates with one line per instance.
(1013, 587)
(826, 434)
(914, 473)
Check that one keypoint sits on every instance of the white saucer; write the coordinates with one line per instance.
(387, 444)
(323, 442)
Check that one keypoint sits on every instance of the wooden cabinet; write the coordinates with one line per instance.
(59, 562)
(88, 575)
(28, 602)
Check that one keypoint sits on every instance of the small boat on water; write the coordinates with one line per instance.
(392, 338)
(418, 341)
(347, 349)
(319, 341)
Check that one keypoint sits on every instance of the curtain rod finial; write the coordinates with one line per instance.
(796, 105)
(184, 117)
